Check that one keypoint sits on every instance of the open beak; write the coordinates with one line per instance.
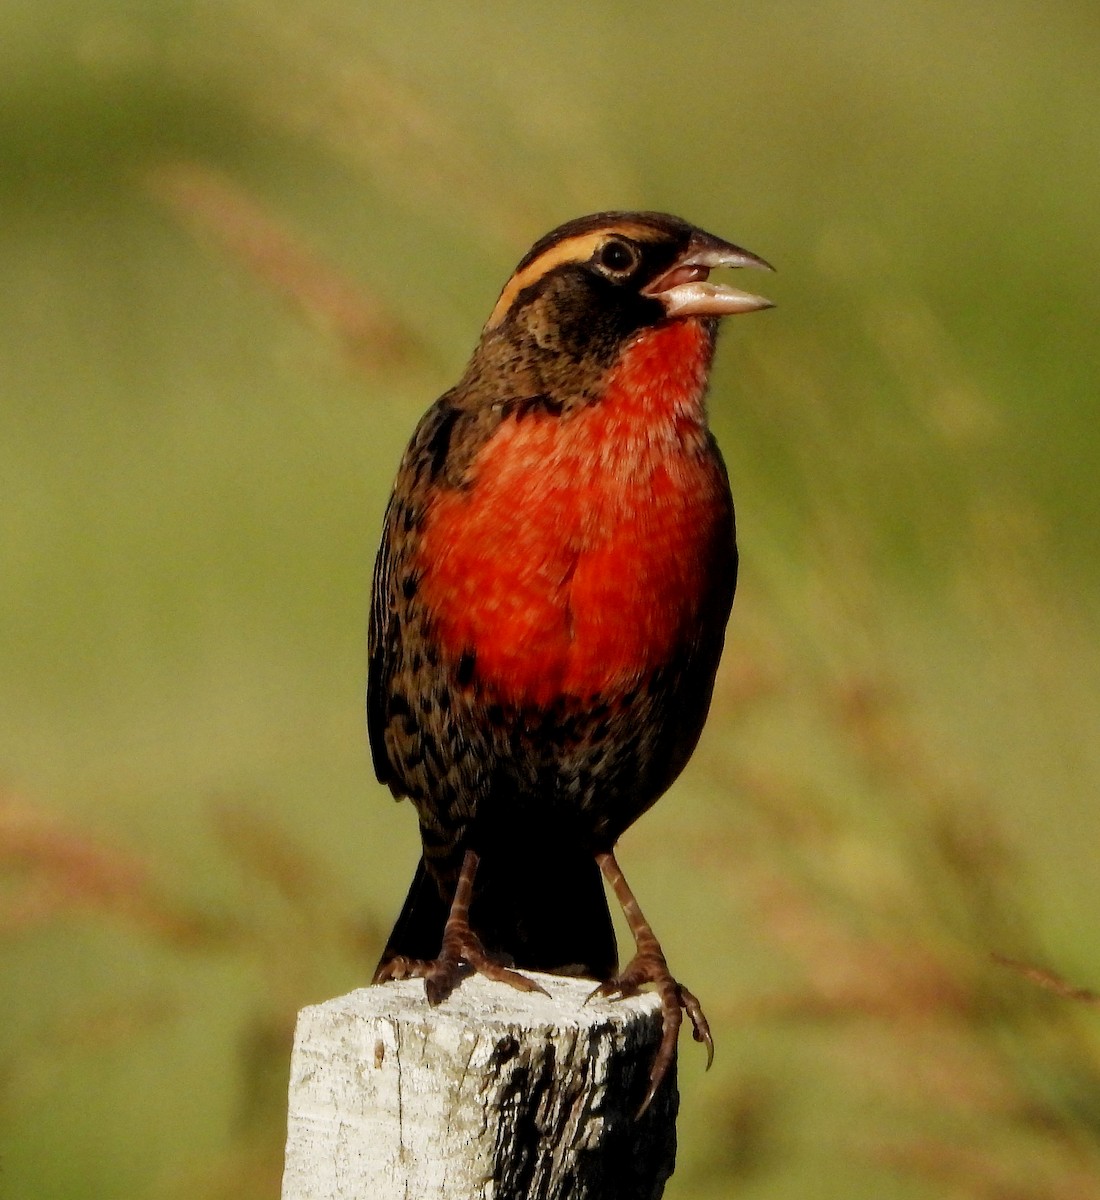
(685, 292)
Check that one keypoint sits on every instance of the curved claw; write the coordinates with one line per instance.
(492, 970)
(700, 1028)
(402, 967)
(675, 1001)
(611, 989)
(671, 1019)
(441, 975)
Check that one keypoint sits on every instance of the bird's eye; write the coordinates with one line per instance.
(617, 257)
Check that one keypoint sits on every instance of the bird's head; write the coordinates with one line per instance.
(589, 287)
(624, 270)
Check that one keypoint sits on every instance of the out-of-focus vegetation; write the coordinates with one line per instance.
(242, 246)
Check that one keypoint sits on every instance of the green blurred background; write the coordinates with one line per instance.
(242, 246)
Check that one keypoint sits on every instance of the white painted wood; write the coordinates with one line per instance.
(494, 1095)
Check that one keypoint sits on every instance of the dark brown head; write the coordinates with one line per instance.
(588, 286)
(625, 269)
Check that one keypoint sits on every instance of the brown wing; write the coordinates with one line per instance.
(380, 653)
(430, 461)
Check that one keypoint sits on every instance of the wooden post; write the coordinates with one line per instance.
(495, 1094)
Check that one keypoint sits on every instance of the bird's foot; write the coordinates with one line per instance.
(441, 975)
(649, 966)
(462, 954)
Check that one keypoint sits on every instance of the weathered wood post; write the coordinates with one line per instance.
(494, 1095)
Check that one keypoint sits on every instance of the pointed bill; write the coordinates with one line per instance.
(685, 291)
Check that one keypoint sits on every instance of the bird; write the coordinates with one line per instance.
(548, 609)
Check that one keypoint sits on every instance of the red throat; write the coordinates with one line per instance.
(582, 555)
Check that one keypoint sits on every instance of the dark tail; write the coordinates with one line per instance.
(543, 912)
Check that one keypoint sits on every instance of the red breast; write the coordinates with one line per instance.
(580, 556)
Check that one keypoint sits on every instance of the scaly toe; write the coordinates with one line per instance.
(442, 977)
(490, 966)
(610, 989)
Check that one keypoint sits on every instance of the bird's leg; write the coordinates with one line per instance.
(461, 952)
(649, 966)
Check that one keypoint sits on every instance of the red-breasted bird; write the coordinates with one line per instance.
(549, 604)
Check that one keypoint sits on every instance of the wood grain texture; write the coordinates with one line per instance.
(494, 1095)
